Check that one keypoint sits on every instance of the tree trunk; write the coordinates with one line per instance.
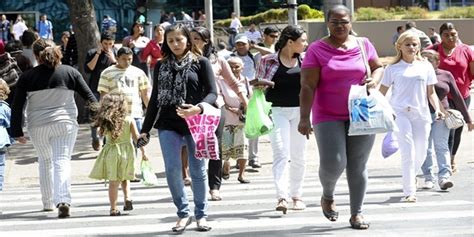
(87, 35)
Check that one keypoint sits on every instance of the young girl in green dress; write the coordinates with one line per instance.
(115, 160)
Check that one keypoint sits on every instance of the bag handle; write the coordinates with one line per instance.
(361, 44)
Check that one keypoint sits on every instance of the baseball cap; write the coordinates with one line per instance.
(241, 38)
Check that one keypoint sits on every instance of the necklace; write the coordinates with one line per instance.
(337, 44)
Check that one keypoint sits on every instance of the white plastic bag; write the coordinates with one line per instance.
(369, 114)
(148, 176)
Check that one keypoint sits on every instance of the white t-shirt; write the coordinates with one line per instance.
(235, 23)
(409, 86)
(18, 29)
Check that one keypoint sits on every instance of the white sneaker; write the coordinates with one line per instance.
(428, 185)
(444, 184)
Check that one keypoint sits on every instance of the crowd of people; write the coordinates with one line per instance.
(159, 83)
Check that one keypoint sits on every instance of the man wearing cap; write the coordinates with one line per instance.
(242, 50)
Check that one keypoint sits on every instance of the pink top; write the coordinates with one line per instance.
(458, 64)
(339, 70)
(152, 49)
(223, 73)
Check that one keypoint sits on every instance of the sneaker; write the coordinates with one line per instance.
(255, 164)
(63, 210)
(428, 184)
(96, 144)
(409, 198)
(444, 184)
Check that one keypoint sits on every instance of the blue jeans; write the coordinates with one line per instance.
(171, 142)
(439, 139)
(2, 168)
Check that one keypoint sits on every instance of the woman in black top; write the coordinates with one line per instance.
(283, 68)
(52, 120)
(182, 80)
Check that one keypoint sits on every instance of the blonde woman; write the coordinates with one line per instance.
(413, 80)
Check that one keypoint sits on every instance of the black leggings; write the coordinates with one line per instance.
(455, 134)
(215, 166)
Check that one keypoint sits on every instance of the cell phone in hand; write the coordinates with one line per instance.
(142, 141)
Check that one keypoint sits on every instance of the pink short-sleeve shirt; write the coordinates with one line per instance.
(339, 70)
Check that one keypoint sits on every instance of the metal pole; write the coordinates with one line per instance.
(237, 7)
(292, 12)
(350, 5)
(209, 18)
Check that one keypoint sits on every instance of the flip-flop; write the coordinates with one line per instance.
(215, 197)
(359, 225)
(330, 215)
(115, 213)
(181, 229)
(226, 176)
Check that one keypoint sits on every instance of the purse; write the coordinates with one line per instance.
(454, 119)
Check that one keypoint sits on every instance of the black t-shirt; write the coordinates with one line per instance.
(201, 87)
(102, 63)
(287, 87)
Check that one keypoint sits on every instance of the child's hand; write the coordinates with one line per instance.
(144, 157)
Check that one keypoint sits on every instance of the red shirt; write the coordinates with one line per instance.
(458, 64)
(152, 49)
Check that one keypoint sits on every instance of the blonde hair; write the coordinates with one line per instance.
(111, 114)
(407, 35)
(4, 90)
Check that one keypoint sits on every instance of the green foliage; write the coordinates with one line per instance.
(458, 12)
(372, 14)
(398, 10)
(416, 13)
(274, 15)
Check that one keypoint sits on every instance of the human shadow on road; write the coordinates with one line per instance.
(30, 160)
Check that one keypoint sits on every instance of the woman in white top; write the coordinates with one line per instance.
(412, 80)
(19, 27)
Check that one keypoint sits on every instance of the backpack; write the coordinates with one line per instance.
(9, 70)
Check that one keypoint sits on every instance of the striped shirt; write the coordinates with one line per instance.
(130, 81)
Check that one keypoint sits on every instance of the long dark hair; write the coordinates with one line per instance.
(289, 33)
(48, 53)
(166, 50)
(209, 49)
(132, 31)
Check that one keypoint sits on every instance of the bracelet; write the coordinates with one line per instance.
(201, 107)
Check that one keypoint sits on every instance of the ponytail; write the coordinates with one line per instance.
(47, 52)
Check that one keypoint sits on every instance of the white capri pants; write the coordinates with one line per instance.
(54, 144)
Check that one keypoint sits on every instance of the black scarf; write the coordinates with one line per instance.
(172, 79)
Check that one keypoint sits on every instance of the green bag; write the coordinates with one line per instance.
(258, 121)
(148, 176)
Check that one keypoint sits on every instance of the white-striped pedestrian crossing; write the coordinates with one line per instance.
(246, 210)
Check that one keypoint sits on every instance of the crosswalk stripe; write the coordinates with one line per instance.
(238, 224)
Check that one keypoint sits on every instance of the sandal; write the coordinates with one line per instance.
(226, 176)
(359, 224)
(282, 205)
(215, 195)
(128, 205)
(243, 181)
(409, 198)
(298, 204)
(331, 215)
(181, 229)
(203, 227)
(115, 212)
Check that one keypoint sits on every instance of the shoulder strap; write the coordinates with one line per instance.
(361, 44)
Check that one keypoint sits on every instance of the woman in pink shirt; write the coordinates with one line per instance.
(458, 59)
(152, 52)
(330, 67)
